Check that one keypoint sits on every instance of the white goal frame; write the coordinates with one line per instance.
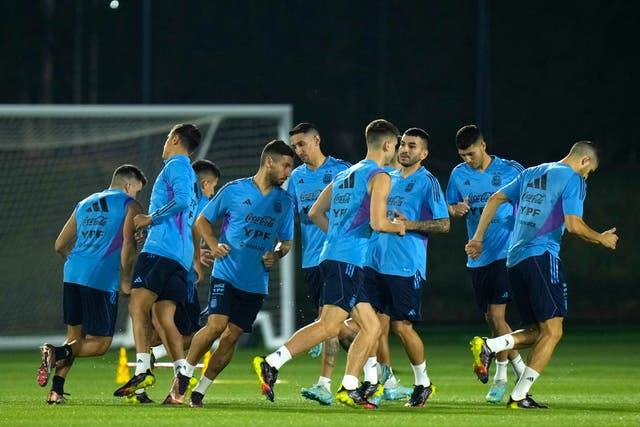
(211, 115)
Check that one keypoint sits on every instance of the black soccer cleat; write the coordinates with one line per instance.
(267, 376)
(526, 403)
(420, 396)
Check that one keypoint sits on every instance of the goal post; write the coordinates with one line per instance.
(52, 156)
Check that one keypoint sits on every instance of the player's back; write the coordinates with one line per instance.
(94, 260)
(349, 216)
(544, 194)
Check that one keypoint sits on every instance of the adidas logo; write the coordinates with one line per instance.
(506, 342)
(466, 182)
(412, 312)
(247, 202)
(139, 361)
(138, 280)
(529, 379)
(505, 295)
(301, 181)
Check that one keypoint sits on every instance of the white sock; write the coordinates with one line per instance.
(518, 366)
(350, 382)
(420, 374)
(159, 351)
(143, 362)
(324, 382)
(391, 382)
(182, 366)
(203, 385)
(524, 384)
(501, 371)
(279, 357)
(371, 370)
(498, 344)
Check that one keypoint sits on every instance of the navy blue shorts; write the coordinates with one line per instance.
(539, 288)
(96, 310)
(313, 280)
(343, 284)
(162, 276)
(491, 284)
(187, 317)
(239, 306)
(399, 297)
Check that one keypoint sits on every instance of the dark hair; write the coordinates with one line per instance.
(303, 127)
(189, 135)
(204, 166)
(379, 129)
(420, 133)
(467, 136)
(276, 148)
(127, 171)
(585, 148)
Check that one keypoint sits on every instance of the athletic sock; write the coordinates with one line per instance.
(278, 357)
(501, 371)
(350, 382)
(183, 367)
(524, 384)
(420, 374)
(57, 384)
(203, 385)
(392, 381)
(62, 352)
(371, 370)
(518, 366)
(159, 351)
(498, 344)
(324, 382)
(143, 362)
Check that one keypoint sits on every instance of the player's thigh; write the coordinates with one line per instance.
(245, 307)
(548, 289)
(406, 297)
(99, 311)
(342, 284)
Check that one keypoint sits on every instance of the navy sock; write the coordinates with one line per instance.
(63, 352)
(57, 384)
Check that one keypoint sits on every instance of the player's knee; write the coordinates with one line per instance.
(104, 343)
(402, 328)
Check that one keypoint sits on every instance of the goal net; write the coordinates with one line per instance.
(51, 157)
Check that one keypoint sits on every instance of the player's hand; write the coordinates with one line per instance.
(402, 228)
(199, 273)
(221, 251)
(140, 236)
(269, 259)
(609, 238)
(460, 209)
(206, 257)
(125, 287)
(473, 248)
(141, 221)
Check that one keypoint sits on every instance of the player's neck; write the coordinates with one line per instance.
(315, 163)
(486, 162)
(405, 171)
(261, 181)
(376, 155)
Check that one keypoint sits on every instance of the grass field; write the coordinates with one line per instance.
(593, 380)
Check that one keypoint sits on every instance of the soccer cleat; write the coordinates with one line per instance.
(354, 398)
(193, 382)
(196, 400)
(53, 398)
(137, 399)
(48, 360)
(482, 358)
(178, 390)
(384, 373)
(420, 396)
(397, 393)
(526, 403)
(496, 392)
(267, 375)
(318, 393)
(143, 380)
(371, 390)
(316, 350)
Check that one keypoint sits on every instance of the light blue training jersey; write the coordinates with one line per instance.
(252, 223)
(477, 187)
(174, 199)
(94, 260)
(543, 194)
(349, 216)
(418, 197)
(191, 277)
(305, 185)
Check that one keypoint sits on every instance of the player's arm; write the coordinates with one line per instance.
(282, 248)
(459, 209)
(197, 266)
(379, 188)
(440, 225)
(67, 237)
(129, 247)
(318, 212)
(576, 225)
(205, 228)
(474, 247)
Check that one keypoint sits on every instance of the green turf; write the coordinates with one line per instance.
(592, 380)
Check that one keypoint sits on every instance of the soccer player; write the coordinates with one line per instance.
(305, 185)
(470, 185)
(257, 231)
(395, 270)
(347, 210)
(549, 198)
(187, 317)
(160, 275)
(98, 245)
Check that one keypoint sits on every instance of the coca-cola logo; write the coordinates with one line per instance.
(310, 195)
(537, 198)
(480, 198)
(98, 220)
(395, 201)
(265, 221)
(342, 198)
